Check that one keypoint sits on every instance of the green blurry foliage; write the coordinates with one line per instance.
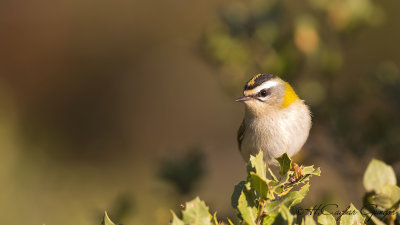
(284, 37)
(306, 43)
(183, 172)
(123, 206)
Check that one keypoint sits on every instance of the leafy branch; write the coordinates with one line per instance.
(266, 199)
(260, 199)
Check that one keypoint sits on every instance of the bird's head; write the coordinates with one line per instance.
(265, 92)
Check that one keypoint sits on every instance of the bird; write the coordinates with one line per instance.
(275, 121)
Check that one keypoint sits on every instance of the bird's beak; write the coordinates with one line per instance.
(243, 98)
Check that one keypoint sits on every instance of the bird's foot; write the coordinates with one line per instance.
(297, 172)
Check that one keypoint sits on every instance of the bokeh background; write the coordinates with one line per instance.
(128, 106)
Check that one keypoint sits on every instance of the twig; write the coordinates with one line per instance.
(261, 212)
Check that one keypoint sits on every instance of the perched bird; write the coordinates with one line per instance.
(275, 121)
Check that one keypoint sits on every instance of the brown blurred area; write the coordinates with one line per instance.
(93, 94)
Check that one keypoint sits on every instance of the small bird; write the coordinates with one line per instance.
(275, 120)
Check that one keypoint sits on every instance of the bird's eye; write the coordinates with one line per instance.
(263, 93)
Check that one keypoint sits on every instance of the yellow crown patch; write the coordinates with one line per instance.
(290, 96)
(251, 82)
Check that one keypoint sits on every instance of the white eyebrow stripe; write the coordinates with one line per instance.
(266, 85)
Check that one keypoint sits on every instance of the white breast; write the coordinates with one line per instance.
(277, 132)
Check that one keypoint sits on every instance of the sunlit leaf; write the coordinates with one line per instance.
(247, 208)
(326, 219)
(308, 220)
(310, 170)
(176, 220)
(272, 174)
(292, 198)
(352, 217)
(377, 175)
(257, 165)
(196, 212)
(107, 220)
(302, 192)
(388, 197)
(214, 219)
(270, 218)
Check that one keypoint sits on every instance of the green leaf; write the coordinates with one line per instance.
(285, 163)
(106, 220)
(286, 215)
(196, 212)
(326, 219)
(278, 189)
(371, 216)
(247, 208)
(270, 218)
(237, 191)
(307, 172)
(273, 206)
(214, 219)
(352, 217)
(289, 200)
(176, 220)
(310, 170)
(377, 175)
(389, 197)
(284, 179)
(259, 184)
(302, 193)
(308, 220)
(272, 175)
(257, 165)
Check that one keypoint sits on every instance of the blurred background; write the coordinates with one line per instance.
(128, 106)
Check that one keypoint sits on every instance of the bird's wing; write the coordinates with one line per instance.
(240, 134)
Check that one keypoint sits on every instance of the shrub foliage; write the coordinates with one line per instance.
(266, 198)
